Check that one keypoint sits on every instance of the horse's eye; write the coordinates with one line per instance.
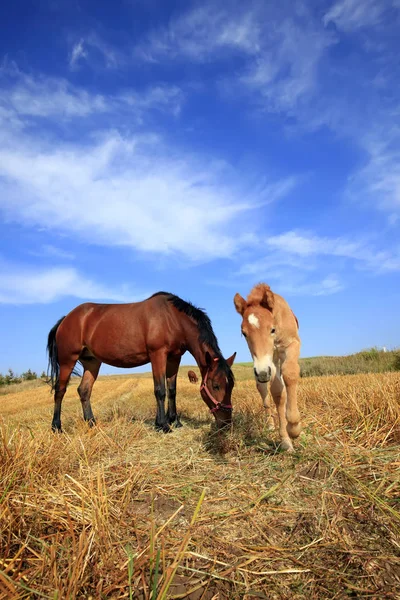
(215, 387)
(273, 330)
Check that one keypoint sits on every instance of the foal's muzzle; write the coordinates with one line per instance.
(263, 376)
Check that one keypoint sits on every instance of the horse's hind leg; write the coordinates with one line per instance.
(91, 370)
(61, 387)
(172, 372)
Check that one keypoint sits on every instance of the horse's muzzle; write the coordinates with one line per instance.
(263, 376)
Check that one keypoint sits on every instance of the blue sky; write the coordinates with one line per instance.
(200, 148)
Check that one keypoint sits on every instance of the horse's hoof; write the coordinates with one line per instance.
(164, 428)
(178, 424)
(56, 429)
(287, 446)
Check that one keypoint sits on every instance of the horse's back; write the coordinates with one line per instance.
(286, 317)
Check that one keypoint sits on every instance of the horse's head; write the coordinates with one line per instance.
(258, 328)
(216, 388)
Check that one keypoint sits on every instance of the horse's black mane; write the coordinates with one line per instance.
(206, 332)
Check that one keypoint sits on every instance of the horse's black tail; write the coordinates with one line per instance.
(53, 369)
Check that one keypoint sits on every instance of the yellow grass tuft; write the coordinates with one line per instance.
(121, 511)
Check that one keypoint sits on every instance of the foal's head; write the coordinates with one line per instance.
(258, 328)
(216, 388)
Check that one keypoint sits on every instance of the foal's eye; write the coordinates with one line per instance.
(244, 334)
(273, 330)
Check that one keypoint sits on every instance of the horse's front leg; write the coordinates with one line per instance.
(278, 392)
(263, 391)
(172, 373)
(158, 365)
(291, 373)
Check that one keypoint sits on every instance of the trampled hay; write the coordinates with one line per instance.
(121, 511)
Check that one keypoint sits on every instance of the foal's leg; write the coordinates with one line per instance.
(278, 392)
(291, 373)
(172, 372)
(263, 391)
(158, 365)
(61, 387)
(91, 370)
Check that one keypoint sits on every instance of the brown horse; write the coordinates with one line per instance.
(271, 332)
(192, 377)
(158, 330)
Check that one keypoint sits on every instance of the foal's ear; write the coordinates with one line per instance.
(240, 303)
(231, 359)
(268, 299)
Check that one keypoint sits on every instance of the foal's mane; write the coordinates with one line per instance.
(206, 332)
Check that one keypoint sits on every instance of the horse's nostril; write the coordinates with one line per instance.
(269, 371)
(255, 372)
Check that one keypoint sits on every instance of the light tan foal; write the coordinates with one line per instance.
(271, 332)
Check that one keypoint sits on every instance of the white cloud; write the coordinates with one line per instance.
(94, 50)
(305, 246)
(126, 191)
(326, 287)
(378, 181)
(78, 53)
(280, 50)
(25, 95)
(19, 285)
(41, 96)
(351, 15)
(202, 34)
(285, 71)
(48, 250)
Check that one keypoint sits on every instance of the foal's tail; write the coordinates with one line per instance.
(53, 369)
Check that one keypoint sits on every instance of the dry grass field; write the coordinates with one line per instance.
(121, 511)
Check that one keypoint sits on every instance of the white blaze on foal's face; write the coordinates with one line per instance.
(258, 329)
(253, 320)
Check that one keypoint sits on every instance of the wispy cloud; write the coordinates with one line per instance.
(24, 95)
(41, 96)
(126, 191)
(351, 15)
(50, 251)
(94, 50)
(285, 70)
(293, 262)
(202, 34)
(378, 180)
(19, 285)
(305, 245)
(78, 53)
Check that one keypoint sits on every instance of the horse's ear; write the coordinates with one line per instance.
(268, 299)
(240, 304)
(231, 359)
(209, 360)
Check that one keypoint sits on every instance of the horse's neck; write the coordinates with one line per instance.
(198, 351)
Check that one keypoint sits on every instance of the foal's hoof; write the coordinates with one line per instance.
(56, 428)
(287, 446)
(177, 424)
(91, 422)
